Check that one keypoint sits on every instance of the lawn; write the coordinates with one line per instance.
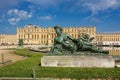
(24, 69)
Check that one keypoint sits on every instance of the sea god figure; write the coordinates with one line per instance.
(63, 43)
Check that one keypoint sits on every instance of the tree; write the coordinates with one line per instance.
(20, 43)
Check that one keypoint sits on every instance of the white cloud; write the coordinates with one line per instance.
(45, 17)
(95, 20)
(101, 5)
(93, 5)
(13, 21)
(92, 19)
(18, 15)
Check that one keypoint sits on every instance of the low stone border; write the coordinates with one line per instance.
(17, 78)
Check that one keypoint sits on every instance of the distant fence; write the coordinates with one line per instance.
(3, 60)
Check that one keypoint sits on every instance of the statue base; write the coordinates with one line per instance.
(78, 61)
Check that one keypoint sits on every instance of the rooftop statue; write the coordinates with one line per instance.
(65, 44)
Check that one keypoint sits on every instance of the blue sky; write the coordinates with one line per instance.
(104, 14)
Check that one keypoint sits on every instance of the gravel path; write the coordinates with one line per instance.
(9, 55)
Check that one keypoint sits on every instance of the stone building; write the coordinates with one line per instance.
(113, 50)
(32, 34)
(6, 39)
(108, 39)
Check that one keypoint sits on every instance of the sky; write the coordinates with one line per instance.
(104, 14)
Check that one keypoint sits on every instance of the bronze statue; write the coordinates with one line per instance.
(86, 45)
(65, 44)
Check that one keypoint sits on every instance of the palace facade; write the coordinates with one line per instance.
(111, 39)
(38, 35)
(32, 34)
(6, 39)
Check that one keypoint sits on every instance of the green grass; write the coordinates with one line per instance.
(24, 69)
(21, 68)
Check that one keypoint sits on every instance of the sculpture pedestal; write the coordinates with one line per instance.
(78, 61)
